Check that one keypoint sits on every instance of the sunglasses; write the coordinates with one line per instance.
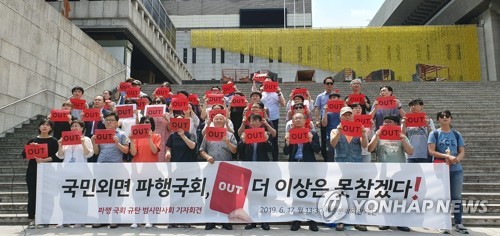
(444, 116)
(329, 83)
(298, 107)
(156, 102)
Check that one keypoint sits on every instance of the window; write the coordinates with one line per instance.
(242, 58)
(222, 54)
(193, 56)
(213, 55)
(250, 56)
(185, 55)
(280, 54)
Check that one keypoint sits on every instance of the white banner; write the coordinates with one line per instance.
(414, 195)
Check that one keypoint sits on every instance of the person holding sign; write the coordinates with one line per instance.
(78, 153)
(447, 145)
(416, 125)
(272, 101)
(307, 144)
(162, 127)
(257, 109)
(77, 93)
(250, 150)
(210, 122)
(298, 99)
(180, 146)
(146, 149)
(91, 126)
(391, 145)
(356, 91)
(45, 128)
(357, 110)
(60, 126)
(300, 108)
(347, 146)
(111, 152)
(330, 120)
(320, 102)
(108, 104)
(125, 124)
(386, 91)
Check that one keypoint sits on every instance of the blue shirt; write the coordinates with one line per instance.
(109, 152)
(448, 140)
(272, 103)
(299, 154)
(321, 101)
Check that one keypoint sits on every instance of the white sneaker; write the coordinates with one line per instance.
(461, 229)
(133, 226)
(31, 224)
(443, 231)
(148, 225)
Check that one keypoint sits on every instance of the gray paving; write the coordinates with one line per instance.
(276, 230)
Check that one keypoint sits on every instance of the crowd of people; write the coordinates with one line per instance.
(324, 129)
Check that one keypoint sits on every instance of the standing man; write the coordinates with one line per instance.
(418, 136)
(77, 93)
(272, 101)
(321, 101)
(356, 89)
(303, 152)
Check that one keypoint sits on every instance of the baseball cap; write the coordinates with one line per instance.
(345, 109)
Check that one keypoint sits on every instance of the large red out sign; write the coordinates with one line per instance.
(300, 91)
(104, 136)
(177, 124)
(124, 86)
(212, 113)
(238, 101)
(270, 86)
(215, 133)
(334, 105)
(356, 98)
(230, 188)
(59, 115)
(415, 119)
(180, 104)
(353, 129)
(36, 151)
(215, 99)
(387, 102)
(71, 137)
(125, 111)
(93, 114)
(155, 110)
(255, 135)
(366, 120)
(162, 92)
(78, 104)
(133, 92)
(298, 136)
(390, 132)
(140, 131)
(228, 88)
(193, 99)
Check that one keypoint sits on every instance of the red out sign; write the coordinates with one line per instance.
(177, 124)
(215, 99)
(356, 98)
(59, 115)
(140, 131)
(193, 99)
(162, 92)
(270, 87)
(255, 135)
(78, 104)
(36, 151)
(366, 120)
(93, 114)
(155, 110)
(334, 105)
(238, 101)
(300, 91)
(390, 132)
(353, 129)
(71, 137)
(415, 119)
(124, 86)
(387, 102)
(215, 133)
(133, 92)
(104, 136)
(125, 111)
(180, 104)
(228, 88)
(297, 136)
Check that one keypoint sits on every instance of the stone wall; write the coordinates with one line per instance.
(40, 49)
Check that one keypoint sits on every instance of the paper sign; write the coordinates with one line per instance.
(390, 132)
(155, 110)
(124, 86)
(177, 124)
(215, 99)
(387, 102)
(212, 113)
(180, 104)
(356, 98)
(308, 123)
(259, 77)
(230, 188)
(366, 120)
(228, 88)
(179, 95)
(104, 136)
(334, 105)
(140, 131)
(141, 103)
(212, 92)
(270, 87)
(193, 99)
(215, 134)
(133, 92)
(415, 119)
(71, 137)
(300, 91)
(93, 114)
(162, 92)
(59, 115)
(353, 129)
(36, 150)
(238, 101)
(78, 104)
(125, 111)
(255, 135)
(298, 135)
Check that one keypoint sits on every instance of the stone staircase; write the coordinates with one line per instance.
(474, 107)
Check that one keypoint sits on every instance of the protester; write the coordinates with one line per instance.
(356, 89)
(330, 121)
(418, 136)
(386, 91)
(60, 126)
(77, 93)
(320, 102)
(272, 101)
(447, 145)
